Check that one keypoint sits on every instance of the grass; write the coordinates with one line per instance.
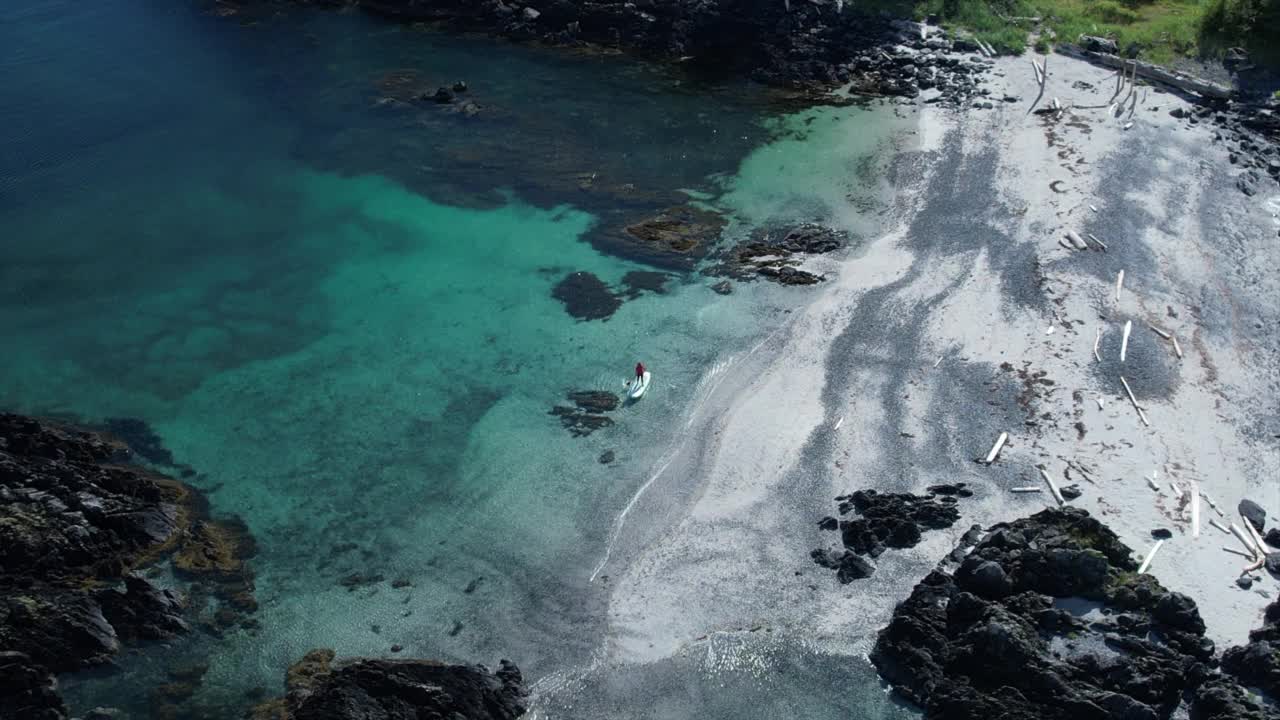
(1155, 30)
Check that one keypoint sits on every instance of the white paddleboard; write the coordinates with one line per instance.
(638, 386)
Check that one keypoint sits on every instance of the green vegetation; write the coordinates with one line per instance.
(1155, 30)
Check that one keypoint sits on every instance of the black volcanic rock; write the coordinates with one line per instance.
(74, 527)
(884, 520)
(319, 689)
(773, 255)
(1257, 664)
(27, 690)
(1006, 636)
(1253, 513)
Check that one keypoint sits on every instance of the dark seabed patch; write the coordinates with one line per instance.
(586, 297)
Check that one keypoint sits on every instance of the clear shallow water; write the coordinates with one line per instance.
(336, 306)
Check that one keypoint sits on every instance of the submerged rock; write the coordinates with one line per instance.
(675, 237)
(317, 688)
(595, 401)
(638, 282)
(586, 416)
(998, 638)
(586, 296)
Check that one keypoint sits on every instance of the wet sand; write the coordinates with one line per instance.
(931, 340)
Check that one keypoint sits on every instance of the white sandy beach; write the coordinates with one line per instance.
(847, 396)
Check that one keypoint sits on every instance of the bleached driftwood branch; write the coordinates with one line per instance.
(995, 449)
(1119, 284)
(1244, 540)
(1097, 339)
(1042, 79)
(1195, 509)
(1053, 487)
(1150, 556)
(1124, 343)
(1142, 415)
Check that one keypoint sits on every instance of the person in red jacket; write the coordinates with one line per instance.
(639, 372)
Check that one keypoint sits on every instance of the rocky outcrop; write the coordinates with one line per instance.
(774, 255)
(886, 520)
(1047, 618)
(675, 238)
(319, 689)
(1257, 664)
(28, 691)
(75, 527)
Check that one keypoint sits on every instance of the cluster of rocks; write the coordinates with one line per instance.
(76, 529)
(937, 63)
(405, 88)
(1047, 618)
(885, 520)
(773, 255)
(1257, 664)
(319, 689)
(587, 413)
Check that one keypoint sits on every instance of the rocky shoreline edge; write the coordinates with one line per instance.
(1043, 617)
(98, 555)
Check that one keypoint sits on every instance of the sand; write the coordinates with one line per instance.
(892, 378)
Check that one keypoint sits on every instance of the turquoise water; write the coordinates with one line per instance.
(336, 306)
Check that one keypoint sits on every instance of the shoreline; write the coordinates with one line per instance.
(826, 443)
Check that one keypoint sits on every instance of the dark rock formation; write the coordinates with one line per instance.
(1257, 664)
(27, 690)
(319, 689)
(587, 414)
(886, 520)
(789, 276)
(774, 255)
(595, 401)
(1046, 619)
(806, 44)
(676, 237)
(1253, 513)
(74, 527)
(579, 423)
(638, 282)
(586, 296)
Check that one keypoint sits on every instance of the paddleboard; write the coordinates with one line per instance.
(638, 386)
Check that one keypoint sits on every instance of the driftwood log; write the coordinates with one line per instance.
(1147, 71)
